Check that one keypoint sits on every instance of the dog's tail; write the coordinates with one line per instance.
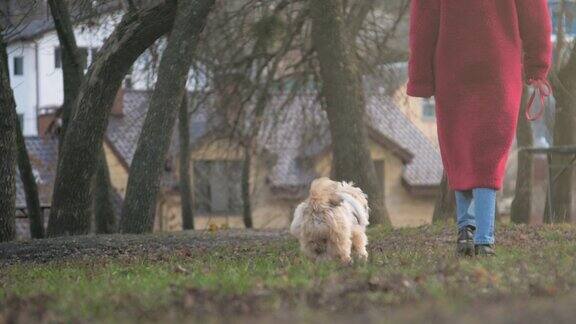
(323, 192)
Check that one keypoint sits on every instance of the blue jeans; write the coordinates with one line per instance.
(477, 208)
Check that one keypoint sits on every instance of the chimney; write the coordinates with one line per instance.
(44, 122)
(47, 124)
(118, 105)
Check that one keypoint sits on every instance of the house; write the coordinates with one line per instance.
(421, 112)
(34, 55)
(293, 147)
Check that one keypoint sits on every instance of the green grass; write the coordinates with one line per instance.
(406, 267)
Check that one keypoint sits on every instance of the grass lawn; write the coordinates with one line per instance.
(412, 275)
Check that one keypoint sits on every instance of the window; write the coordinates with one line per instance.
(83, 57)
(128, 79)
(128, 82)
(428, 109)
(18, 65)
(93, 53)
(217, 186)
(57, 57)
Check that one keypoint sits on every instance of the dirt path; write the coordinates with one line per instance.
(116, 245)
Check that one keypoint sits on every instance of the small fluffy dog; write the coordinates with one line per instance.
(332, 221)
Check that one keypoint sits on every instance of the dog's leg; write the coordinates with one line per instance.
(340, 246)
(359, 243)
(308, 249)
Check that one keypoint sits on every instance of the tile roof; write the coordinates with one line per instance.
(123, 131)
(292, 132)
(304, 132)
(43, 154)
(425, 168)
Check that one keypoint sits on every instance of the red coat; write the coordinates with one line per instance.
(468, 54)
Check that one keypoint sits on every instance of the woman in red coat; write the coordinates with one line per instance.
(473, 56)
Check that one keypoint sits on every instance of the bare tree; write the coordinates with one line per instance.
(564, 134)
(522, 203)
(187, 205)
(71, 62)
(564, 84)
(73, 72)
(27, 177)
(445, 207)
(70, 212)
(29, 185)
(7, 149)
(144, 180)
(102, 200)
(343, 93)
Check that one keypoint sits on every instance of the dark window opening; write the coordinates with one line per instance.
(128, 84)
(379, 166)
(217, 187)
(93, 54)
(57, 57)
(18, 65)
(428, 109)
(83, 57)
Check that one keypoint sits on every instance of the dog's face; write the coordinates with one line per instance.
(318, 247)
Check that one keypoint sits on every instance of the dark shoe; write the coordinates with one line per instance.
(465, 243)
(485, 250)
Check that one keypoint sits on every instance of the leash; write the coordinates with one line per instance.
(544, 90)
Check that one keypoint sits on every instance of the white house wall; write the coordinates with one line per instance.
(41, 90)
(41, 87)
(24, 86)
(51, 78)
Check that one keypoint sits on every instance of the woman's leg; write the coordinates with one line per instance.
(466, 224)
(485, 212)
(463, 201)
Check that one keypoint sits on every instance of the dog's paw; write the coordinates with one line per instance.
(346, 260)
(363, 257)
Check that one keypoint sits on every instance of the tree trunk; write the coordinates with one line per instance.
(146, 169)
(564, 134)
(445, 207)
(73, 72)
(342, 91)
(33, 207)
(70, 212)
(246, 204)
(7, 149)
(72, 69)
(185, 185)
(103, 206)
(521, 208)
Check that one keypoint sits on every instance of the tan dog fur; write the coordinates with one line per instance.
(331, 222)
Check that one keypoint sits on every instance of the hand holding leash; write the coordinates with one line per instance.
(544, 90)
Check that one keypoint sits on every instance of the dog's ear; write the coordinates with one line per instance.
(335, 200)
